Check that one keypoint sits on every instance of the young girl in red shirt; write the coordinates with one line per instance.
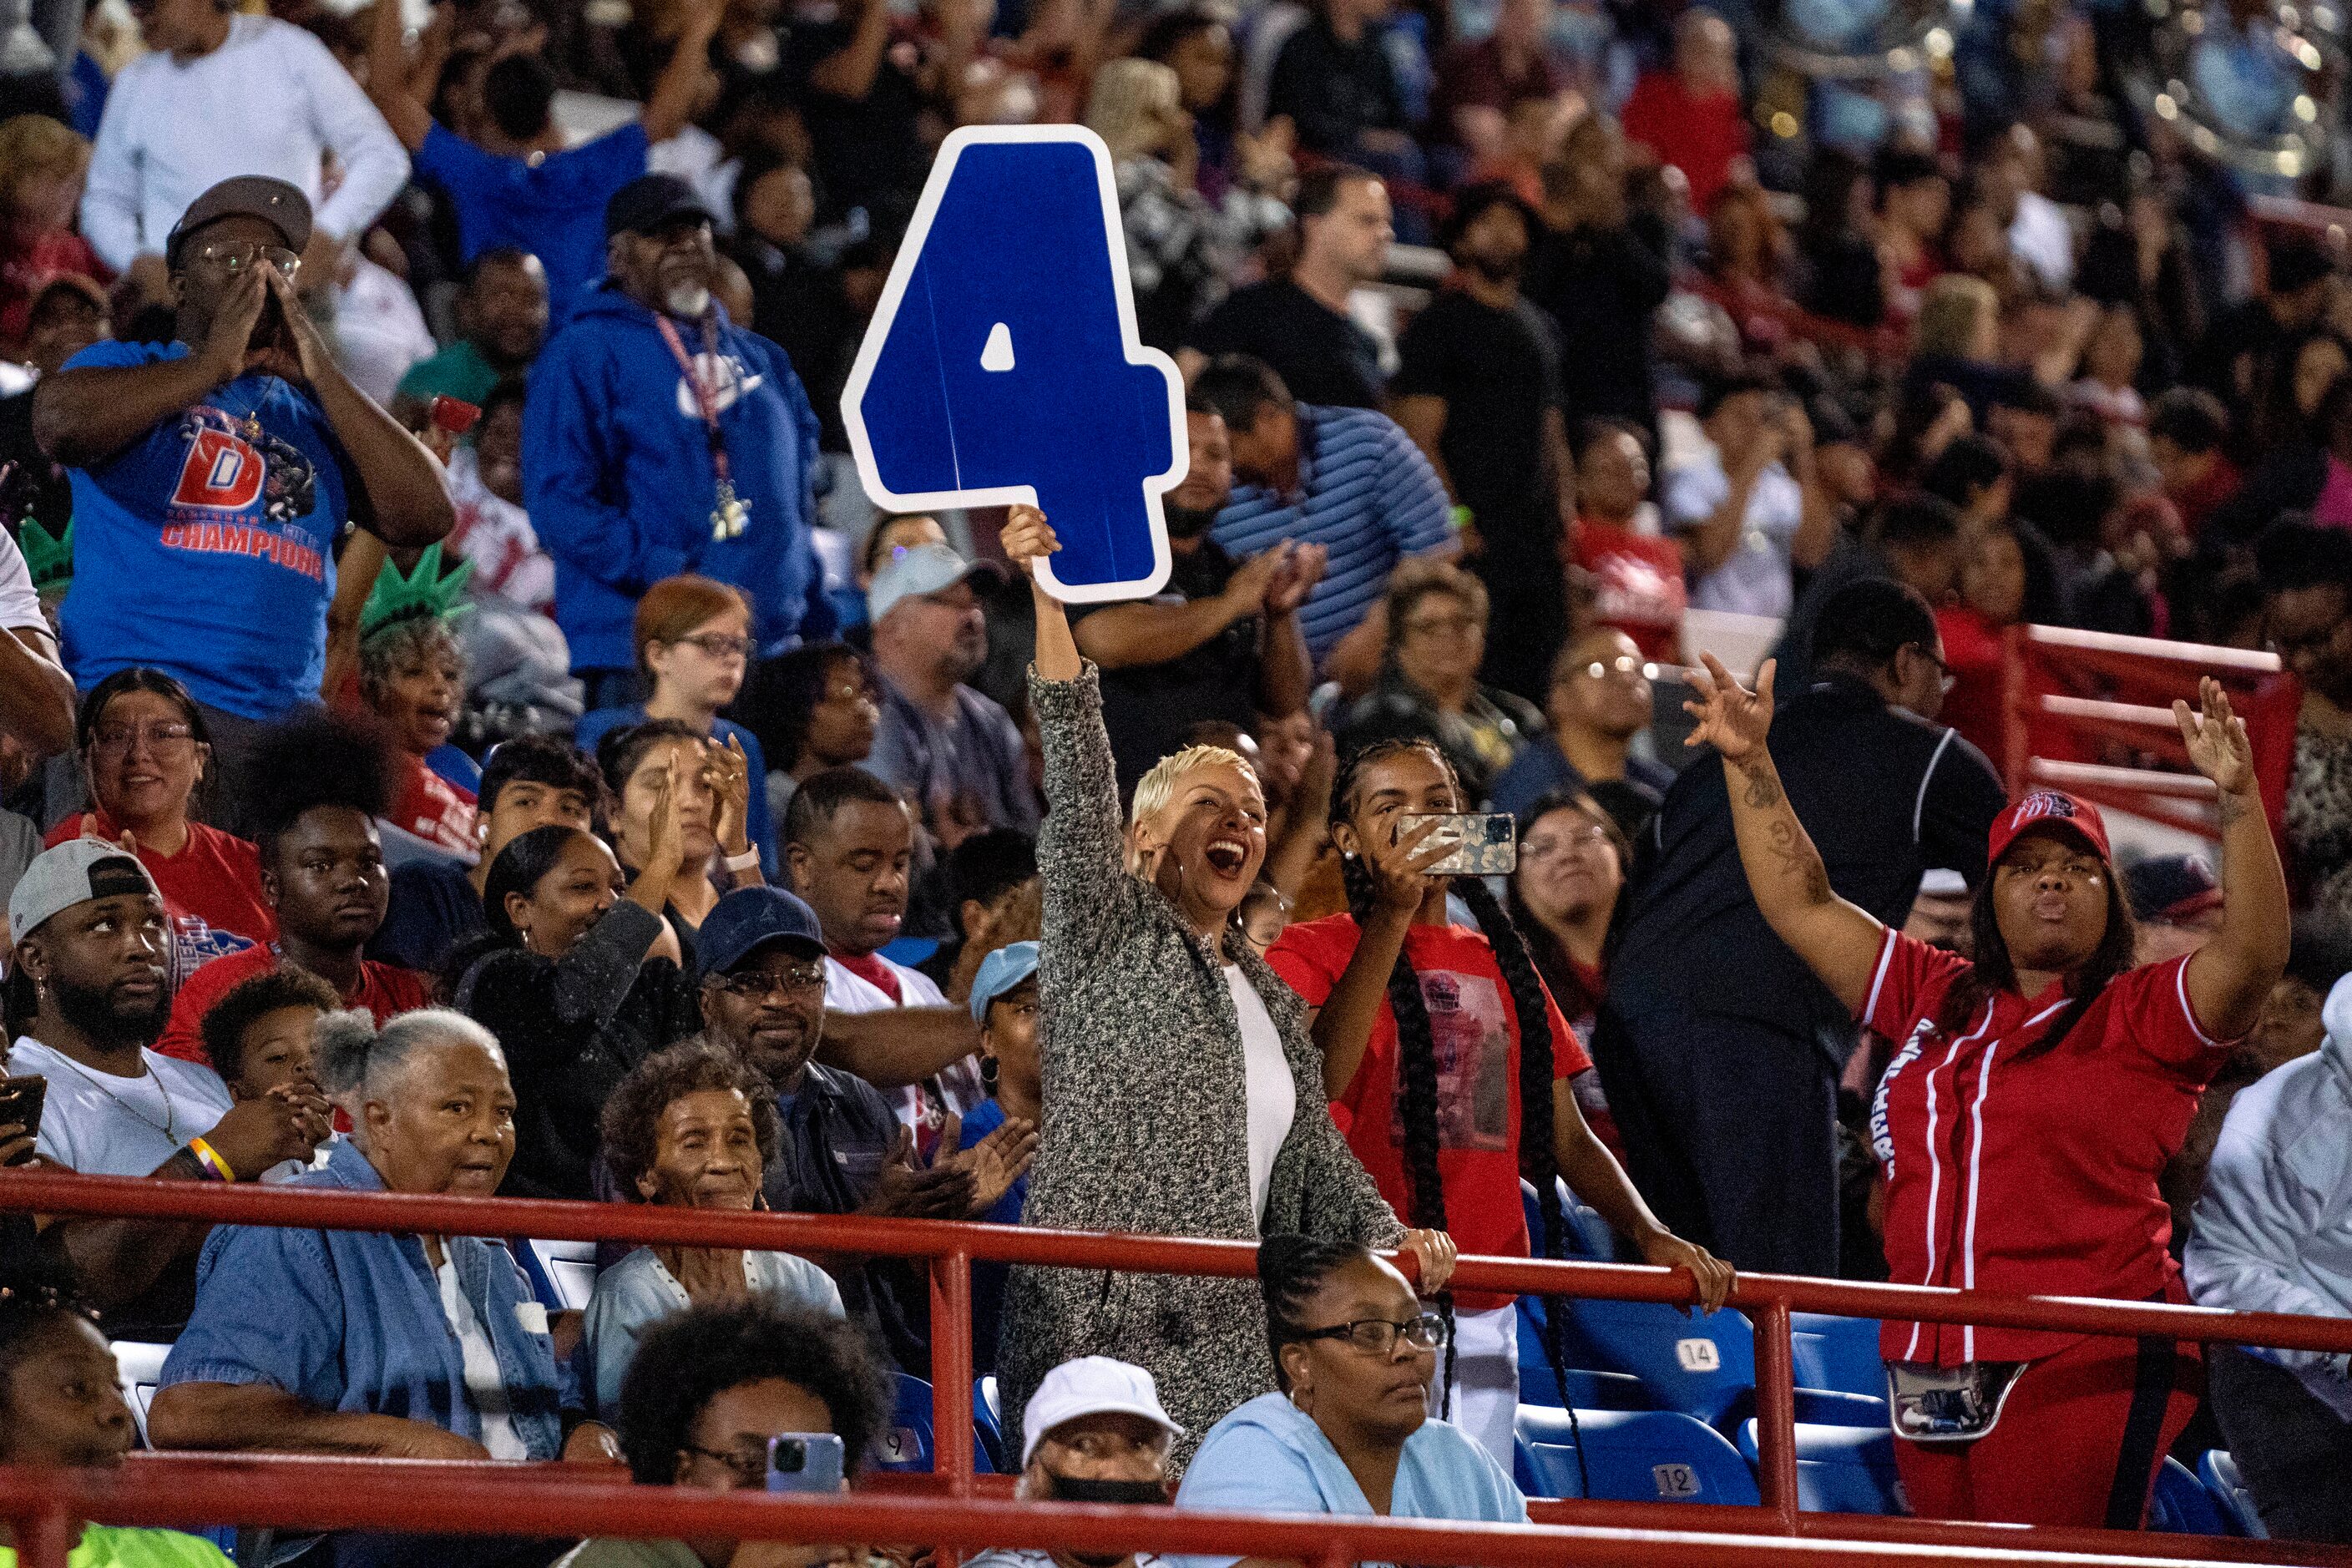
(2035, 1097)
(1448, 1065)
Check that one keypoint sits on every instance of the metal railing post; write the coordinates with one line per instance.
(1776, 1412)
(951, 1428)
(46, 1538)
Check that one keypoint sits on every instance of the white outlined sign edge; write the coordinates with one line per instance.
(886, 313)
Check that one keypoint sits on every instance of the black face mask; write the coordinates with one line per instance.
(1187, 522)
(1116, 1494)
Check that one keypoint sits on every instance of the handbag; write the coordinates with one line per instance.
(1930, 1404)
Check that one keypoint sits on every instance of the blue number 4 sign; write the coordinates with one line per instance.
(1002, 364)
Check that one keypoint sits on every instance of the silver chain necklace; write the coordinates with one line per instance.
(171, 1127)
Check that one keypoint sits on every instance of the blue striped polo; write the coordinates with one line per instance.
(1366, 493)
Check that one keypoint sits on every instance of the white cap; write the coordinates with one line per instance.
(1091, 1385)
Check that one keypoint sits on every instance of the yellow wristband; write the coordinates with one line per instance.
(209, 1158)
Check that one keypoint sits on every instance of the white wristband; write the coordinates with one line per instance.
(743, 862)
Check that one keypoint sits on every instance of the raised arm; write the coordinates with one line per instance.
(1838, 941)
(2228, 977)
(83, 417)
(387, 80)
(670, 105)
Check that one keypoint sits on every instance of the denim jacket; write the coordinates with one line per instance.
(351, 1322)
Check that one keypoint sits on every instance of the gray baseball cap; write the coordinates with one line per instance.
(924, 569)
(281, 206)
(75, 872)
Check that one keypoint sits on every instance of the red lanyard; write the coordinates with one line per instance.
(726, 513)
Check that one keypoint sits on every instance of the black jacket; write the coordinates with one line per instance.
(1884, 794)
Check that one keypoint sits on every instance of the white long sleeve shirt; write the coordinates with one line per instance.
(270, 100)
(2272, 1231)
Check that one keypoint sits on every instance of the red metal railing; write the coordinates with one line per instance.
(369, 1494)
(2092, 712)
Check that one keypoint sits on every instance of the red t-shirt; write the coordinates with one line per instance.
(1637, 584)
(383, 990)
(212, 890)
(1475, 1032)
(432, 808)
(2036, 1178)
(1700, 136)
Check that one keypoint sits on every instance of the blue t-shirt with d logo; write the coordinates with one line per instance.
(206, 548)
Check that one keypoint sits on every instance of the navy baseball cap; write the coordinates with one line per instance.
(748, 920)
(650, 201)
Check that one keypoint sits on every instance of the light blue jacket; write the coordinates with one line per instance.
(352, 1321)
(637, 1292)
(1270, 1458)
(2272, 1232)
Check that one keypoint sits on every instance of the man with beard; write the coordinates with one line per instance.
(762, 954)
(1094, 1432)
(661, 438)
(1478, 391)
(323, 785)
(952, 751)
(213, 476)
(91, 974)
(1220, 642)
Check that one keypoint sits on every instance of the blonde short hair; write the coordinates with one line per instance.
(1130, 104)
(1952, 314)
(1155, 789)
(34, 144)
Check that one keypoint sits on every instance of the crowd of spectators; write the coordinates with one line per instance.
(461, 732)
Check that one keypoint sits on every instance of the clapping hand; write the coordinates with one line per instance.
(995, 1162)
(906, 1191)
(728, 771)
(2216, 739)
(1731, 718)
(1301, 571)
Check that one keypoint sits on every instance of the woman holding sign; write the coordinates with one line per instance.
(2039, 1090)
(1184, 1096)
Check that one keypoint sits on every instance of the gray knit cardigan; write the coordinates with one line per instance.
(1146, 1119)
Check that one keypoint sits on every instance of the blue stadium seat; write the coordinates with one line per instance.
(1837, 1353)
(1703, 1366)
(2181, 1506)
(1634, 1455)
(906, 1443)
(991, 1430)
(1587, 1235)
(1840, 1470)
(2219, 1470)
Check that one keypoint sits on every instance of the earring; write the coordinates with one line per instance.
(988, 1071)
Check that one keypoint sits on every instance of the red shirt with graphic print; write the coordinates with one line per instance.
(1474, 1030)
(2031, 1177)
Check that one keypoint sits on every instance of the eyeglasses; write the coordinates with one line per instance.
(115, 739)
(749, 1466)
(757, 985)
(233, 256)
(1550, 846)
(719, 645)
(1624, 665)
(1378, 1336)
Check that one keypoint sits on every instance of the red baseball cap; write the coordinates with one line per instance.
(2045, 809)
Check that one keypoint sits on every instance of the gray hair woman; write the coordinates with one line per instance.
(370, 1342)
(1185, 1096)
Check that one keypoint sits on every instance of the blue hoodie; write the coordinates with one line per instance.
(618, 480)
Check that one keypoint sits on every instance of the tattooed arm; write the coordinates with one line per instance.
(1838, 941)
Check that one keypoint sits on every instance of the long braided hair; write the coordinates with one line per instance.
(1417, 1059)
